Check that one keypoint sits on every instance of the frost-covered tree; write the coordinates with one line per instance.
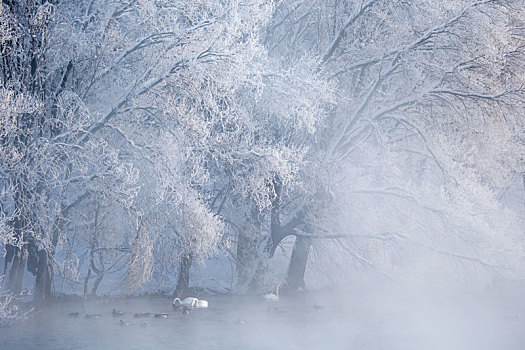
(36, 156)
(141, 137)
(419, 84)
(179, 87)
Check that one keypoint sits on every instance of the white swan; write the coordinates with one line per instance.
(203, 304)
(272, 297)
(190, 302)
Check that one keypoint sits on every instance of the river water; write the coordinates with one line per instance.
(337, 321)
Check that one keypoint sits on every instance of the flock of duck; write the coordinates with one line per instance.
(184, 305)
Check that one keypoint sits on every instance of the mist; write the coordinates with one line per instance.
(338, 320)
(262, 174)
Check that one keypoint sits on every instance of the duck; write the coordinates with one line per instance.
(185, 310)
(190, 302)
(88, 316)
(161, 315)
(124, 323)
(146, 314)
(117, 313)
(73, 314)
(272, 297)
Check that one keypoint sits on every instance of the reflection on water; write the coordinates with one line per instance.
(299, 322)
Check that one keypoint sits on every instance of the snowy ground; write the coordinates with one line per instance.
(338, 321)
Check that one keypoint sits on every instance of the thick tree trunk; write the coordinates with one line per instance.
(258, 280)
(45, 273)
(43, 284)
(298, 262)
(54, 241)
(183, 283)
(278, 232)
(16, 273)
(246, 256)
(10, 252)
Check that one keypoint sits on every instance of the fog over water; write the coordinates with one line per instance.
(339, 320)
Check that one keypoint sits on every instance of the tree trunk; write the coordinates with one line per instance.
(183, 283)
(246, 254)
(54, 241)
(258, 280)
(10, 251)
(277, 233)
(92, 246)
(86, 282)
(45, 272)
(298, 262)
(43, 284)
(100, 273)
(16, 273)
(96, 284)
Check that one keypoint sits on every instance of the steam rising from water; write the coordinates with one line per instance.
(351, 319)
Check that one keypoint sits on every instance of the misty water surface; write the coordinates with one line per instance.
(338, 321)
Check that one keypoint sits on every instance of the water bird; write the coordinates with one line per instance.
(202, 304)
(272, 297)
(142, 315)
(185, 310)
(124, 323)
(161, 315)
(73, 314)
(117, 313)
(190, 302)
(92, 316)
(277, 310)
(318, 307)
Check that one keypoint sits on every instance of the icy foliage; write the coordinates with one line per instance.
(425, 138)
(140, 137)
(10, 312)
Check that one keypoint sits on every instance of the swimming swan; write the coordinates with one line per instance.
(190, 302)
(271, 296)
(203, 304)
